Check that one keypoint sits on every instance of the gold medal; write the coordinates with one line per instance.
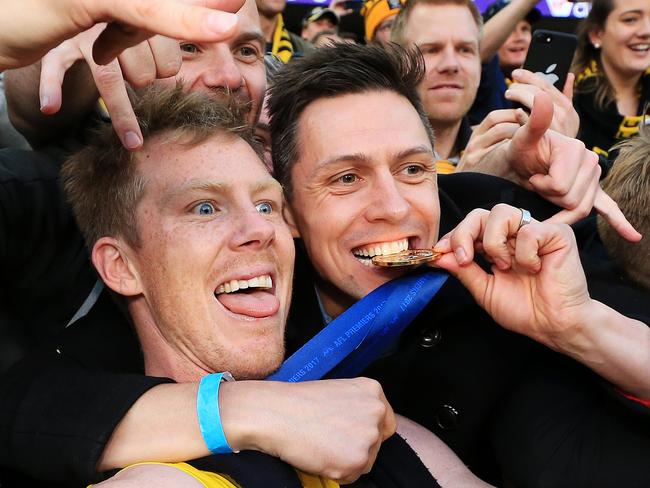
(410, 257)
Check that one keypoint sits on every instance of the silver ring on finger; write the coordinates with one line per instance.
(525, 218)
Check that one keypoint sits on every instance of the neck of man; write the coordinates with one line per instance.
(268, 26)
(160, 359)
(445, 138)
(334, 301)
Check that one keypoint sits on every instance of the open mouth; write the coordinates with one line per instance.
(364, 254)
(642, 48)
(252, 297)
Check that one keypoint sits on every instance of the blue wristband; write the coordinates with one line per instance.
(207, 407)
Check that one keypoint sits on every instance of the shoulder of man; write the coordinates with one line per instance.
(300, 45)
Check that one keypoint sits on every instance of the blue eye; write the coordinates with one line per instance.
(205, 208)
(264, 208)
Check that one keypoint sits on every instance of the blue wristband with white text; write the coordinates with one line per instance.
(207, 407)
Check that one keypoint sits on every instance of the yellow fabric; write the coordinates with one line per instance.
(206, 478)
(215, 480)
(374, 12)
(282, 46)
(590, 70)
(311, 481)
(444, 167)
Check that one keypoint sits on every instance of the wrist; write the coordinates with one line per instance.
(209, 413)
(575, 337)
(244, 412)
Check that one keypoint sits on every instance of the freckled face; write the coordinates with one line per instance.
(216, 259)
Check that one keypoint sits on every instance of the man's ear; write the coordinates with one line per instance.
(287, 213)
(110, 258)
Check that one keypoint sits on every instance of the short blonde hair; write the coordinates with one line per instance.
(102, 181)
(398, 33)
(628, 183)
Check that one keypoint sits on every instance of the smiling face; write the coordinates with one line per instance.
(625, 38)
(448, 37)
(512, 53)
(216, 261)
(236, 64)
(361, 188)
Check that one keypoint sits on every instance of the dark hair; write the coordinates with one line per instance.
(331, 72)
(102, 181)
(586, 53)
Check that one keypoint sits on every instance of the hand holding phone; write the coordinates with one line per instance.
(550, 55)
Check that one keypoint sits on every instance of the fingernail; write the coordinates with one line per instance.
(501, 264)
(516, 72)
(221, 22)
(132, 140)
(45, 102)
(461, 255)
(442, 245)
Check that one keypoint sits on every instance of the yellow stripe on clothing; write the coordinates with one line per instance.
(215, 480)
(282, 46)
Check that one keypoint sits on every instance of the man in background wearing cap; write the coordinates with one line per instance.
(378, 17)
(279, 41)
(317, 20)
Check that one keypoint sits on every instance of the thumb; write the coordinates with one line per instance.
(568, 86)
(539, 121)
(471, 275)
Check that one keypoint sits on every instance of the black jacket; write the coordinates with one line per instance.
(59, 407)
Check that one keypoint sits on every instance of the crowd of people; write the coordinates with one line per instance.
(193, 198)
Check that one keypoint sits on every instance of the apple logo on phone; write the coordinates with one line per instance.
(548, 74)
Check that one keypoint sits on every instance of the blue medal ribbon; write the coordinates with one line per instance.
(364, 332)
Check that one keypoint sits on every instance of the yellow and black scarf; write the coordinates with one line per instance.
(602, 127)
(282, 46)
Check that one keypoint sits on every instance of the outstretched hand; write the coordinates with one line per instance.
(30, 28)
(537, 286)
(562, 170)
(527, 84)
(156, 57)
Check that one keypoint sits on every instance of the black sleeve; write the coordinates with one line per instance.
(43, 259)
(56, 418)
(60, 405)
(564, 425)
(560, 428)
(477, 190)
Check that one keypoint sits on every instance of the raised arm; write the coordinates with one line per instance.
(557, 167)
(30, 28)
(24, 104)
(97, 31)
(537, 288)
(498, 28)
